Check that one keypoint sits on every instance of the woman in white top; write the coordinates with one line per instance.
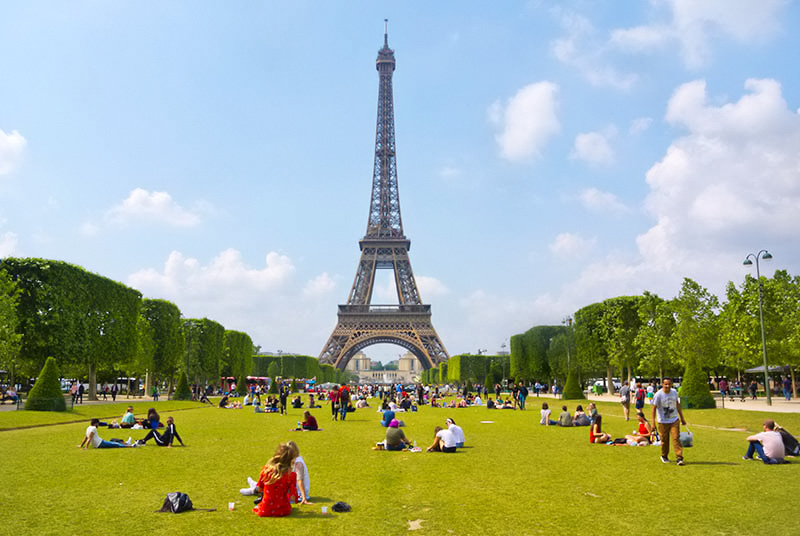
(457, 432)
(301, 469)
(545, 412)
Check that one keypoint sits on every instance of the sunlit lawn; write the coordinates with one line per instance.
(516, 477)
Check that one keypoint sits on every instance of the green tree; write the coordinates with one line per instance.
(164, 319)
(46, 393)
(652, 340)
(203, 348)
(10, 338)
(695, 337)
(572, 389)
(182, 391)
(737, 330)
(621, 322)
(593, 357)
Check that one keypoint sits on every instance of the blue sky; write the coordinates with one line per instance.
(550, 154)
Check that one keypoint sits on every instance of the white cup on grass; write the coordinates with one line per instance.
(324, 509)
(231, 505)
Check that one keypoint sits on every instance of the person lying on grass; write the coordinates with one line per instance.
(92, 438)
(278, 483)
(596, 434)
(167, 438)
(642, 435)
(309, 423)
(443, 441)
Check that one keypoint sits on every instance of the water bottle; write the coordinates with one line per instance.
(415, 443)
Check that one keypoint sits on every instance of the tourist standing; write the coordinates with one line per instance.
(334, 398)
(344, 400)
(625, 400)
(723, 387)
(753, 388)
(666, 413)
(787, 388)
(523, 394)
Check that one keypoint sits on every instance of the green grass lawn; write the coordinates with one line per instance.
(515, 477)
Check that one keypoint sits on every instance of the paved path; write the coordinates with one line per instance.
(779, 403)
(121, 399)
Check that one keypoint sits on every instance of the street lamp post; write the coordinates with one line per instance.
(568, 323)
(748, 261)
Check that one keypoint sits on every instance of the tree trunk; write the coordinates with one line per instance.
(128, 395)
(610, 380)
(794, 383)
(92, 382)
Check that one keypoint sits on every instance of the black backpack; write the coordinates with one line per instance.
(177, 502)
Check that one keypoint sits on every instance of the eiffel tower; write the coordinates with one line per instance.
(384, 246)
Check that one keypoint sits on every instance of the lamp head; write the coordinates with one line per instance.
(766, 256)
(748, 262)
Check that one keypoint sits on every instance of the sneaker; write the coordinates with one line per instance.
(747, 458)
(664, 459)
(679, 462)
(129, 441)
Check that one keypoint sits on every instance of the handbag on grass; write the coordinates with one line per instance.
(686, 438)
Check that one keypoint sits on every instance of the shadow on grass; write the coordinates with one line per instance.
(711, 463)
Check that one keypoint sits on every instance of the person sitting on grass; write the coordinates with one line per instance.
(477, 401)
(296, 402)
(301, 470)
(768, 444)
(490, 403)
(592, 411)
(545, 413)
(388, 415)
(153, 420)
(565, 419)
(223, 402)
(457, 432)
(92, 438)
(167, 438)
(443, 441)
(596, 434)
(309, 422)
(278, 483)
(311, 404)
(580, 418)
(395, 438)
(362, 403)
(642, 435)
(127, 420)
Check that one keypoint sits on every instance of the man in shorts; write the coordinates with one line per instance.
(666, 412)
(625, 400)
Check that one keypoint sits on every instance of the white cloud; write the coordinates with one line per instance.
(322, 284)
(430, 287)
(527, 121)
(569, 245)
(693, 24)
(156, 207)
(11, 148)
(8, 244)
(89, 229)
(594, 147)
(584, 50)
(639, 125)
(449, 172)
(600, 201)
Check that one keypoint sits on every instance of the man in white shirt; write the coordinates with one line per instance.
(666, 411)
(768, 444)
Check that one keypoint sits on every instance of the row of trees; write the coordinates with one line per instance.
(482, 369)
(692, 334)
(297, 366)
(101, 329)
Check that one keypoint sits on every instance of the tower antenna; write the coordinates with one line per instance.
(386, 33)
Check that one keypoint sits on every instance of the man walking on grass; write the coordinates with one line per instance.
(666, 411)
(625, 400)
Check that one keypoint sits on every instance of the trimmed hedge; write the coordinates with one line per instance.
(46, 394)
(694, 391)
(572, 389)
(182, 391)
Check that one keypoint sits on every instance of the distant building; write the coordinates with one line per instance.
(408, 369)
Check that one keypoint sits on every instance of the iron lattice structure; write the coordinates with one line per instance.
(384, 246)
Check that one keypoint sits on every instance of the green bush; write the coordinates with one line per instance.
(182, 391)
(241, 385)
(572, 389)
(273, 386)
(694, 391)
(46, 394)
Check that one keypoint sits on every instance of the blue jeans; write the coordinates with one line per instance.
(787, 393)
(343, 411)
(110, 445)
(755, 446)
(521, 402)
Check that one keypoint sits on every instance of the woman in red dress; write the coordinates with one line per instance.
(279, 483)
